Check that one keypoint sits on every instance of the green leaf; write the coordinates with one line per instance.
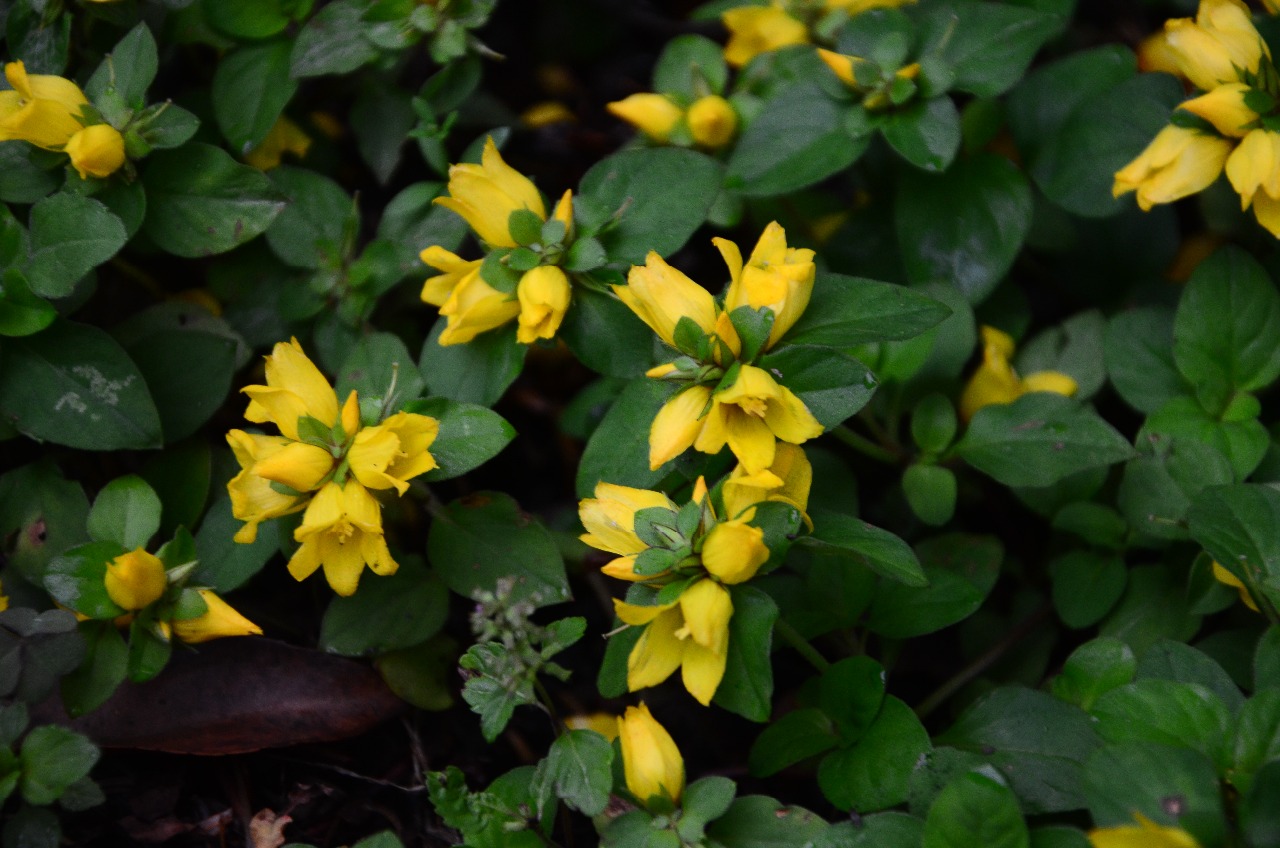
(1260, 809)
(606, 336)
(1039, 439)
(376, 363)
(795, 140)
(224, 563)
(21, 180)
(794, 737)
(102, 670)
(309, 232)
(960, 571)
(974, 810)
(578, 770)
(618, 450)
(1257, 737)
(1158, 485)
(704, 801)
(72, 384)
(1076, 166)
(75, 579)
(167, 126)
(53, 758)
(747, 686)
(424, 675)
(188, 373)
(831, 384)
(127, 71)
(70, 236)
(469, 436)
(1086, 585)
(1227, 329)
(654, 217)
(21, 312)
(1093, 669)
(1037, 743)
(1235, 525)
(476, 372)
(1140, 359)
(851, 692)
(42, 514)
(987, 45)
(1243, 443)
(988, 203)
(1154, 607)
(246, 19)
(926, 133)
(148, 653)
(846, 311)
(126, 511)
(386, 613)
(931, 493)
(690, 66)
(858, 542)
(873, 774)
(1180, 715)
(332, 42)
(481, 538)
(200, 201)
(1140, 777)
(757, 821)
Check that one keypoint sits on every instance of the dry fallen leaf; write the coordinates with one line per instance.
(266, 829)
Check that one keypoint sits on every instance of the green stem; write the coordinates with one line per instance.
(549, 705)
(793, 638)
(864, 446)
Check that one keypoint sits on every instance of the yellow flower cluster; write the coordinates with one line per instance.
(48, 111)
(762, 29)
(725, 401)
(995, 381)
(711, 121)
(325, 461)
(485, 195)
(137, 579)
(706, 553)
(1221, 53)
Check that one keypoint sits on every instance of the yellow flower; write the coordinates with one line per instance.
(295, 389)
(751, 416)
(42, 110)
(651, 761)
(1154, 55)
(1219, 46)
(610, 518)
(606, 724)
(543, 295)
(1226, 108)
(733, 551)
(691, 634)
(1178, 162)
(96, 151)
(218, 621)
(760, 29)
(1226, 577)
(776, 277)
(485, 195)
(342, 531)
(389, 454)
(436, 290)
(843, 66)
(253, 499)
(995, 381)
(135, 579)
(4, 599)
(661, 295)
(284, 137)
(712, 121)
(655, 115)
(1254, 171)
(1145, 834)
(787, 480)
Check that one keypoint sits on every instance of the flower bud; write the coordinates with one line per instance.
(651, 761)
(96, 151)
(217, 622)
(712, 121)
(653, 114)
(135, 580)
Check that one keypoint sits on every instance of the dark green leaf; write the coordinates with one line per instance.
(126, 511)
(72, 384)
(873, 774)
(1039, 439)
(926, 133)
(606, 336)
(960, 571)
(469, 436)
(1180, 715)
(988, 203)
(757, 821)
(128, 69)
(747, 686)
(479, 539)
(309, 232)
(476, 372)
(1139, 357)
(795, 736)
(332, 42)
(831, 384)
(987, 45)
(578, 770)
(53, 758)
(689, 66)
(618, 451)
(867, 545)
(103, 669)
(1093, 669)
(224, 563)
(70, 236)
(975, 810)
(1086, 585)
(386, 613)
(846, 311)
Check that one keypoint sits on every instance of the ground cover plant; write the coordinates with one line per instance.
(841, 423)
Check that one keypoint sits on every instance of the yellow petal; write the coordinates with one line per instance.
(706, 608)
(220, 620)
(297, 465)
(712, 121)
(135, 580)
(759, 29)
(653, 114)
(657, 653)
(661, 295)
(677, 425)
(96, 151)
(651, 762)
(543, 295)
(609, 517)
(734, 551)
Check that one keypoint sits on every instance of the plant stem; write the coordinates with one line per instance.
(983, 662)
(864, 446)
(793, 638)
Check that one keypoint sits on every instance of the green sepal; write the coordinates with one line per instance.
(523, 259)
(498, 274)
(753, 326)
(553, 231)
(688, 519)
(657, 560)
(656, 526)
(690, 339)
(671, 592)
(525, 226)
(585, 254)
(313, 431)
(901, 90)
